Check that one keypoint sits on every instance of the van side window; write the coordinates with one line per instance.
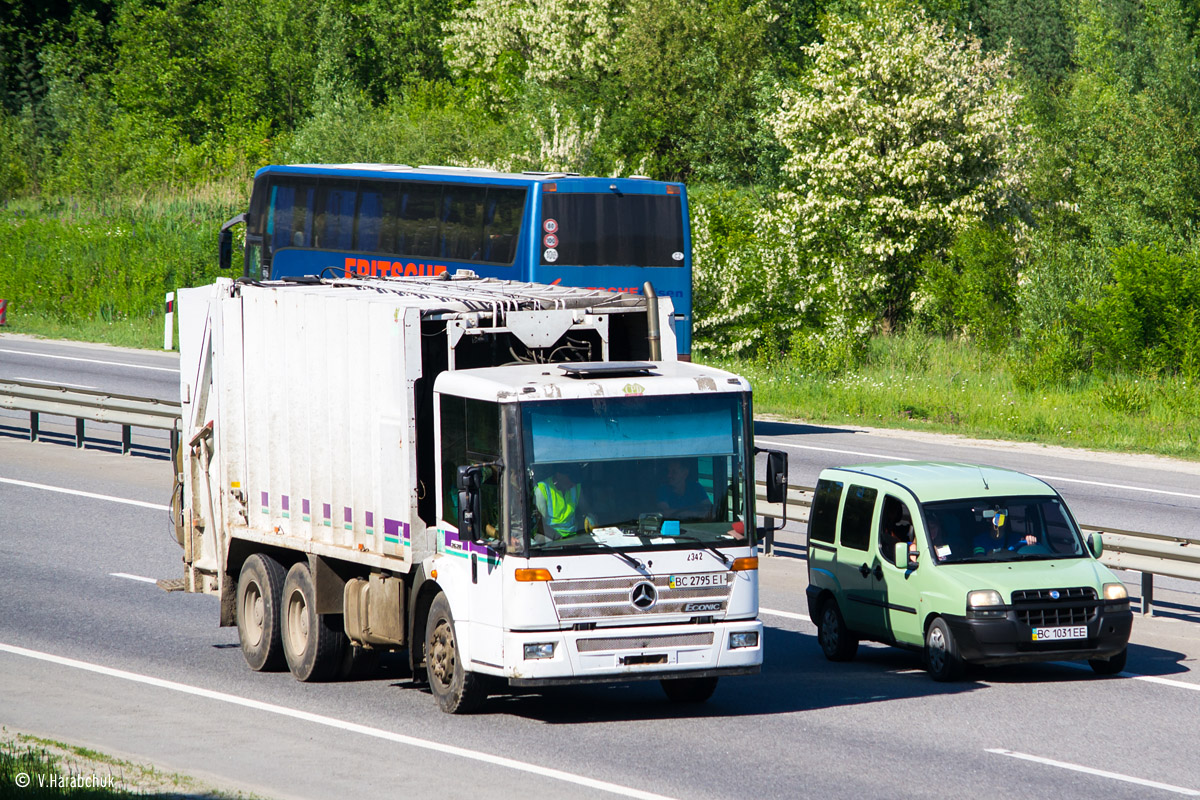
(895, 526)
(822, 524)
(856, 519)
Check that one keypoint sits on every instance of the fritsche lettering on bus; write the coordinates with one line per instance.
(373, 267)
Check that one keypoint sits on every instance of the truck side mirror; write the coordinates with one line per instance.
(470, 503)
(777, 477)
(1095, 544)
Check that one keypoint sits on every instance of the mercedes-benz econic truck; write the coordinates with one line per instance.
(517, 485)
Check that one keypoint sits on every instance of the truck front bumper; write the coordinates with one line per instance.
(610, 655)
(1010, 641)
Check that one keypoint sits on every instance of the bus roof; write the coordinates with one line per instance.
(427, 172)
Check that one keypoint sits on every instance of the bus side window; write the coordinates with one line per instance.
(419, 220)
(335, 215)
(376, 219)
(502, 225)
(289, 218)
(462, 230)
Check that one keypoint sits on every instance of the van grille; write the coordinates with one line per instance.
(610, 597)
(1037, 609)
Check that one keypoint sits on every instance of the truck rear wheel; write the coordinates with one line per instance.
(457, 689)
(259, 593)
(689, 690)
(312, 643)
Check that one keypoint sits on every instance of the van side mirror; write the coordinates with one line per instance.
(470, 502)
(1095, 544)
(904, 558)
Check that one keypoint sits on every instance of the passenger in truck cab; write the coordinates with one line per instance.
(682, 497)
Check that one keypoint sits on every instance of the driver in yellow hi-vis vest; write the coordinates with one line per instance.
(558, 501)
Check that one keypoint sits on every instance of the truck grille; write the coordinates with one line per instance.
(1037, 609)
(643, 642)
(610, 597)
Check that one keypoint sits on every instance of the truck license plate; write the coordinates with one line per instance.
(1071, 632)
(688, 581)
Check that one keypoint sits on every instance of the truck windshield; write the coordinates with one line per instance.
(1001, 529)
(639, 472)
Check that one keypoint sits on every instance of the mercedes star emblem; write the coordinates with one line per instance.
(643, 596)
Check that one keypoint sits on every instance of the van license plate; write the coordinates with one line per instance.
(1049, 634)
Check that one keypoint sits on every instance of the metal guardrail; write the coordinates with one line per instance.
(1148, 553)
(84, 405)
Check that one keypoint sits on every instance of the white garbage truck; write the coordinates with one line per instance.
(506, 481)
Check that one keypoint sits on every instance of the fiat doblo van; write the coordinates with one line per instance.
(966, 563)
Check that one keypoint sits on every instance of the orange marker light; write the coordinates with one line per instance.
(433, 574)
(527, 575)
(672, 190)
(745, 564)
(550, 187)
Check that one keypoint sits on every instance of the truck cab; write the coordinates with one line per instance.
(596, 519)
(967, 564)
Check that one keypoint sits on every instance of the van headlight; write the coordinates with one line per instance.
(1115, 591)
(982, 604)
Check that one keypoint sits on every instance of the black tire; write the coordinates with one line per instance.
(942, 658)
(689, 690)
(312, 642)
(1110, 666)
(457, 689)
(836, 640)
(259, 598)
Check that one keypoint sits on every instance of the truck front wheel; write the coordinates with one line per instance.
(458, 690)
(312, 642)
(259, 593)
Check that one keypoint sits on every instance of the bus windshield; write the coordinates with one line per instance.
(635, 473)
(613, 230)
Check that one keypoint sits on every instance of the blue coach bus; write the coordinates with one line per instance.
(386, 220)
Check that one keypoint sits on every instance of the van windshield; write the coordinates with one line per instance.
(1001, 529)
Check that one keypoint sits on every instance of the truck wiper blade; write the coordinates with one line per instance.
(628, 559)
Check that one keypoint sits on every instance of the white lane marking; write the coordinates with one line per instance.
(53, 383)
(1103, 773)
(129, 577)
(1042, 477)
(829, 450)
(331, 722)
(89, 360)
(785, 614)
(1195, 687)
(1118, 486)
(78, 493)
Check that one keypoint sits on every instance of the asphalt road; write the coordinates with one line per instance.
(92, 655)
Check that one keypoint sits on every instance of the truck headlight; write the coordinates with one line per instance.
(1115, 591)
(539, 650)
(739, 639)
(981, 604)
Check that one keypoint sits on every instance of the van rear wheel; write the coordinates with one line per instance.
(942, 658)
(836, 640)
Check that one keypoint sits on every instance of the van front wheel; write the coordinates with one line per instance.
(942, 658)
(836, 640)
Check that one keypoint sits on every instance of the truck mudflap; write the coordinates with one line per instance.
(1007, 641)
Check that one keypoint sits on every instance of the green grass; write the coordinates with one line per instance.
(145, 333)
(31, 767)
(924, 383)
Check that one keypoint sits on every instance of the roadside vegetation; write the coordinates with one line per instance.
(40, 769)
(979, 216)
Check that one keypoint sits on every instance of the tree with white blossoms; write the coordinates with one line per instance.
(900, 134)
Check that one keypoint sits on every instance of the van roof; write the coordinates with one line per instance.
(931, 481)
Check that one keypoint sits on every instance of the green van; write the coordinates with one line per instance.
(966, 563)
